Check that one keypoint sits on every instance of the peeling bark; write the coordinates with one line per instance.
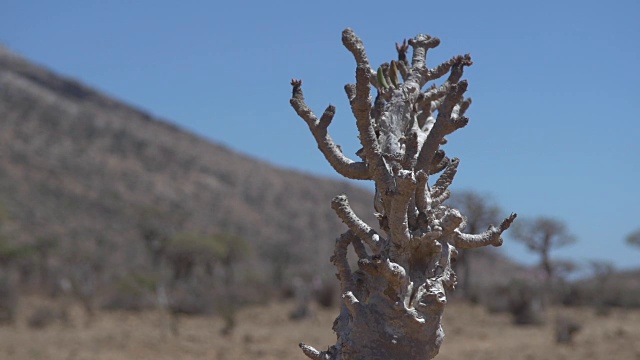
(393, 302)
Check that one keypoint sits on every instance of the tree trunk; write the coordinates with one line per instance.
(393, 303)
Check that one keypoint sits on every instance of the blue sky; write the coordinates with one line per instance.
(554, 125)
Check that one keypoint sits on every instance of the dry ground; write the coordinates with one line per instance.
(267, 333)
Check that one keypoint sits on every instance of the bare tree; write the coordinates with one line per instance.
(633, 239)
(480, 212)
(541, 235)
(393, 303)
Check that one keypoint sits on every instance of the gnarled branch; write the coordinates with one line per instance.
(343, 165)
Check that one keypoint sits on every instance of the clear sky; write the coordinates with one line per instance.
(554, 125)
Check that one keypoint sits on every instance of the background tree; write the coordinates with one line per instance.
(602, 272)
(9, 255)
(541, 235)
(563, 270)
(44, 248)
(199, 275)
(84, 270)
(480, 212)
(393, 303)
(633, 239)
(156, 228)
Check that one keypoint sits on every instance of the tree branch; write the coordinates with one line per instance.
(444, 124)
(354, 44)
(421, 44)
(312, 353)
(423, 194)
(445, 179)
(340, 261)
(341, 206)
(343, 165)
(490, 237)
(398, 221)
(395, 275)
(455, 64)
(439, 162)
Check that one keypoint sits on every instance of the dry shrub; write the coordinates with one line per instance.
(191, 299)
(565, 329)
(603, 297)
(134, 292)
(8, 301)
(526, 303)
(495, 299)
(326, 294)
(43, 317)
(521, 298)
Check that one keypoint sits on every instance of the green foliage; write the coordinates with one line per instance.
(4, 214)
(187, 252)
(221, 247)
(45, 245)
(137, 283)
(9, 251)
(132, 292)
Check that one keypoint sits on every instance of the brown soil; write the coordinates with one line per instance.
(267, 333)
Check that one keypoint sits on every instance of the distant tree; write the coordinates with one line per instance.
(83, 270)
(563, 268)
(10, 250)
(480, 212)
(281, 257)
(542, 235)
(201, 262)
(602, 272)
(633, 239)
(156, 228)
(44, 248)
(185, 252)
(8, 255)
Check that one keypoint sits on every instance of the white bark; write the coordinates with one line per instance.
(393, 303)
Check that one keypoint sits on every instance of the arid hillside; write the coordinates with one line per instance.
(84, 167)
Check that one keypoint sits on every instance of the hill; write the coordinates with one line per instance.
(84, 167)
(87, 169)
